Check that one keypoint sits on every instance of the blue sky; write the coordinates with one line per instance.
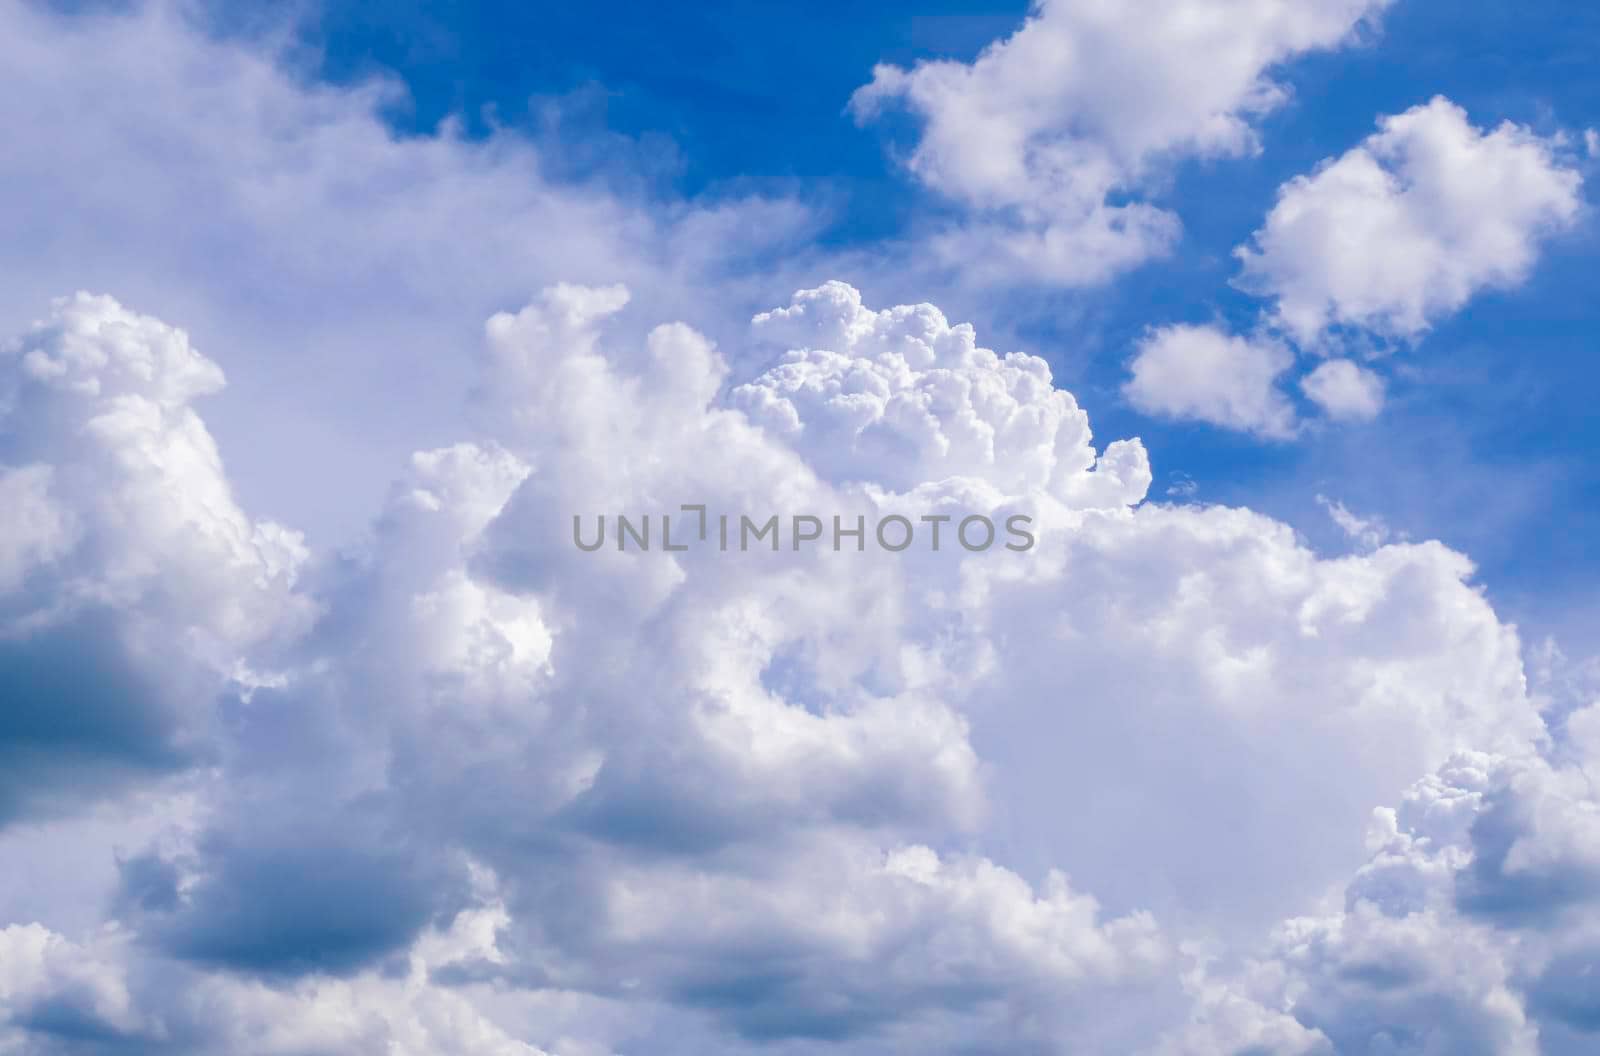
(321, 326)
(1490, 451)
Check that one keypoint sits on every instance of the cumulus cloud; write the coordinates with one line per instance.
(726, 799)
(456, 671)
(59, 996)
(1472, 927)
(1039, 133)
(134, 586)
(1377, 244)
(1205, 374)
(463, 788)
(1344, 390)
(1466, 931)
(900, 397)
(51, 985)
(1402, 230)
(324, 258)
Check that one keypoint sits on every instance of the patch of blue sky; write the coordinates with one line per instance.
(1489, 435)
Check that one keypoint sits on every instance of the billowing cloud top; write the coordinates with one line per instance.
(1167, 781)
(717, 798)
(901, 398)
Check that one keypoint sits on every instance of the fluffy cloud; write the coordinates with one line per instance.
(1406, 227)
(1377, 244)
(58, 995)
(1205, 374)
(1344, 390)
(900, 397)
(461, 787)
(1038, 133)
(1471, 928)
(454, 699)
(134, 587)
(51, 984)
(283, 218)
(731, 798)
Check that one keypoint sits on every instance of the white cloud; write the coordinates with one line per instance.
(1203, 373)
(1345, 391)
(1402, 230)
(125, 542)
(54, 989)
(900, 397)
(39, 967)
(1039, 132)
(463, 789)
(1370, 532)
(101, 429)
(1474, 925)
(1381, 242)
(37, 529)
(734, 798)
(326, 260)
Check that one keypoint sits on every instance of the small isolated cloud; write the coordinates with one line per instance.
(1379, 243)
(1345, 391)
(1402, 230)
(1203, 373)
(1040, 132)
(1369, 532)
